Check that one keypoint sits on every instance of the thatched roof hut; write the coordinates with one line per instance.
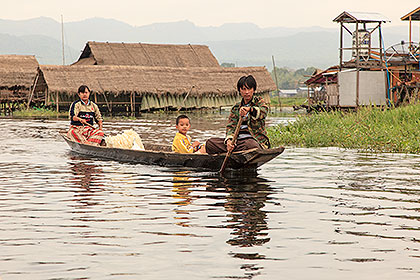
(159, 87)
(139, 54)
(158, 80)
(17, 72)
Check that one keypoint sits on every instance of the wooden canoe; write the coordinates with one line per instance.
(163, 156)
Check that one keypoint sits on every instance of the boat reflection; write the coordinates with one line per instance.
(248, 220)
(84, 174)
(246, 197)
(86, 177)
(181, 193)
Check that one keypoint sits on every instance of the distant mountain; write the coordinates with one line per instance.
(296, 51)
(244, 44)
(47, 50)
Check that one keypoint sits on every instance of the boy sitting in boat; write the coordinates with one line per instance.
(252, 133)
(182, 142)
(82, 114)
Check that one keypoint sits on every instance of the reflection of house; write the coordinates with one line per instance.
(134, 88)
(17, 73)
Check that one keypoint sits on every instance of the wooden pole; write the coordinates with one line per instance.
(134, 103)
(235, 137)
(326, 92)
(341, 46)
(46, 97)
(32, 91)
(409, 43)
(309, 99)
(357, 65)
(381, 55)
(56, 102)
(277, 84)
(370, 45)
(131, 102)
(62, 39)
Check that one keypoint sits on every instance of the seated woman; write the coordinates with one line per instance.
(82, 114)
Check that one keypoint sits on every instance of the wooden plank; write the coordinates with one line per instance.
(357, 64)
(32, 91)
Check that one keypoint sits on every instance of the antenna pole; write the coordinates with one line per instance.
(277, 84)
(62, 39)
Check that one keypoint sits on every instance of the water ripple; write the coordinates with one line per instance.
(311, 213)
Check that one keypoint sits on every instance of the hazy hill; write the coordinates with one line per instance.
(46, 49)
(295, 51)
(244, 44)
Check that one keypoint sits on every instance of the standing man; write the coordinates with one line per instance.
(82, 114)
(253, 111)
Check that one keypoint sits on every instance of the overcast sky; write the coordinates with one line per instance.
(264, 13)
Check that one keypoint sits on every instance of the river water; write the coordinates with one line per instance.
(308, 214)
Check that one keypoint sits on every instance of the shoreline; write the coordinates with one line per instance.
(51, 115)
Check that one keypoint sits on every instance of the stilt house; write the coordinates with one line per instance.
(139, 88)
(360, 79)
(138, 77)
(17, 74)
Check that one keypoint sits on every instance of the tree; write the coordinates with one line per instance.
(227, 64)
(291, 79)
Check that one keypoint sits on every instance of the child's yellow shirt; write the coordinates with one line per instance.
(182, 144)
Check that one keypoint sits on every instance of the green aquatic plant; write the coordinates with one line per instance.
(369, 129)
(287, 101)
(39, 112)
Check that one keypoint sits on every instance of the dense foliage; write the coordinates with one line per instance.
(287, 101)
(38, 112)
(291, 79)
(368, 129)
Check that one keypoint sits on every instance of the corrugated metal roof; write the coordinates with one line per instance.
(320, 77)
(360, 17)
(415, 15)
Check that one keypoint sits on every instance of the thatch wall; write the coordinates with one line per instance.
(17, 72)
(139, 54)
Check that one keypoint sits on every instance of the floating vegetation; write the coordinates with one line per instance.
(369, 129)
(39, 112)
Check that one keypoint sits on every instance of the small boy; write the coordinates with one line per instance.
(182, 142)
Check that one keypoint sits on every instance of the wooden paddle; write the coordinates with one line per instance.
(88, 124)
(235, 137)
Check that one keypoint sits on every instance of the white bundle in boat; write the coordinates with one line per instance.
(129, 139)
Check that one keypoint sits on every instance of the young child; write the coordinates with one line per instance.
(182, 142)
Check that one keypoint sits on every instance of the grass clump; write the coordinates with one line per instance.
(369, 129)
(287, 101)
(39, 113)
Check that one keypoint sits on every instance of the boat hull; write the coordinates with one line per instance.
(250, 159)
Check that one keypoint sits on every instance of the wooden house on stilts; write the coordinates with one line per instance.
(17, 74)
(137, 77)
(140, 88)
